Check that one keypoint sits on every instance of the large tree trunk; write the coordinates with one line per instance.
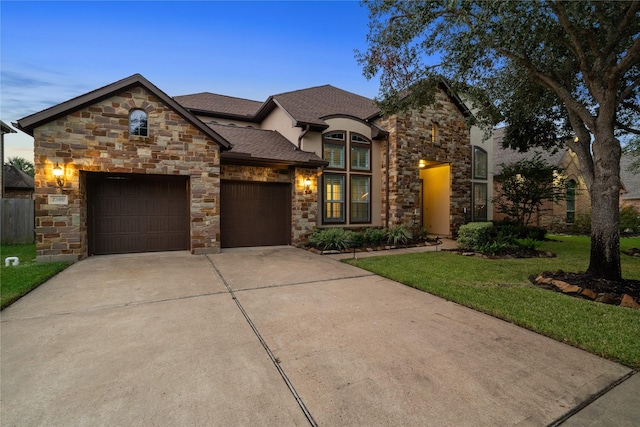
(605, 208)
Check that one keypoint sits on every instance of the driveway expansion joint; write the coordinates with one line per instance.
(275, 360)
(308, 282)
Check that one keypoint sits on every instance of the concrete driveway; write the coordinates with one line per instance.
(272, 336)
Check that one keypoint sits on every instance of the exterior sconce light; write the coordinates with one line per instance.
(58, 174)
(422, 164)
(307, 186)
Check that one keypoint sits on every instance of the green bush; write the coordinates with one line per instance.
(357, 240)
(375, 236)
(519, 231)
(582, 224)
(629, 219)
(398, 235)
(332, 239)
(474, 235)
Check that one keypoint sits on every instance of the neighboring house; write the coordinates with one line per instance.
(4, 128)
(551, 215)
(17, 184)
(141, 171)
(630, 194)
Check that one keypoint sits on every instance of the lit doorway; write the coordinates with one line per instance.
(436, 198)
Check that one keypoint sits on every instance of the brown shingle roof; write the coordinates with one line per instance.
(211, 102)
(263, 146)
(14, 178)
(312, 104)
(509, 156)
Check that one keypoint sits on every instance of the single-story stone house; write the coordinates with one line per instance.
(16, 183)
(127, 168)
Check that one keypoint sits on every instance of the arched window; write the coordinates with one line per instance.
(571, 201)
(138, 123)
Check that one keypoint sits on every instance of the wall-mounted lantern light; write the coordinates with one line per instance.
(307, 186)
(422, 164)
(58, 174)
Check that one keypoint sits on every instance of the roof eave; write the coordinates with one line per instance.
(247, 159)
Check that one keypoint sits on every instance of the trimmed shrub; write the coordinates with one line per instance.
(474, 235)
(519, 231)
(375, 236)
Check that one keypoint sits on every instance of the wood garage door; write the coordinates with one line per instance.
(255, 214)
(137, 213)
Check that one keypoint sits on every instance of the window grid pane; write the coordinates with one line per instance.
(360, 158)
(479, 202)
(334, 154)
(479, 163)
(138, 125)
(571, 201)
(360, 198)
(333, 198)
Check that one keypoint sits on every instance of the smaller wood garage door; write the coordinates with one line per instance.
(255, 214)
(137, 213)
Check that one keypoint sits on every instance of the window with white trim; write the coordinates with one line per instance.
(138, 124)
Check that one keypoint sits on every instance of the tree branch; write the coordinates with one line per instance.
(628, 91)
(628, 60)
(560, 11)
(549, 82)
(627, 20)
(629, 129)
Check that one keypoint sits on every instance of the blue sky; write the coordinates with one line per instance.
(53, 51)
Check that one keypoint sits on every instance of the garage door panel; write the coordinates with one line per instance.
(137, 214)
(255, 214)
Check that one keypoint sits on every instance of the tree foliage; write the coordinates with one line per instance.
(22, 164)
(555, 72)
(526, 185)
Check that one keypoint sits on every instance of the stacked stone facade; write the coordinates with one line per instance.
(409, 141)
(96, 139)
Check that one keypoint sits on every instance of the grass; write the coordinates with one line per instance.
(500, 287)
(19, 280)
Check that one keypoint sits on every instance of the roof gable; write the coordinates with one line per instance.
(29, 123)
(310, 106)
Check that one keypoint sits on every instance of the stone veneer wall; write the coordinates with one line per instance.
(409, 141)
(96, 139)
(304, 207)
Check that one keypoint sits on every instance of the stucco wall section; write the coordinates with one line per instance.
(96, 139)
(409, 142)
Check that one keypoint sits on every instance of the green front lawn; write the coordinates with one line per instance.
(19, 280)
(500, 287)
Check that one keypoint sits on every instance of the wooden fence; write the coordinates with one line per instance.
(17, 217)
